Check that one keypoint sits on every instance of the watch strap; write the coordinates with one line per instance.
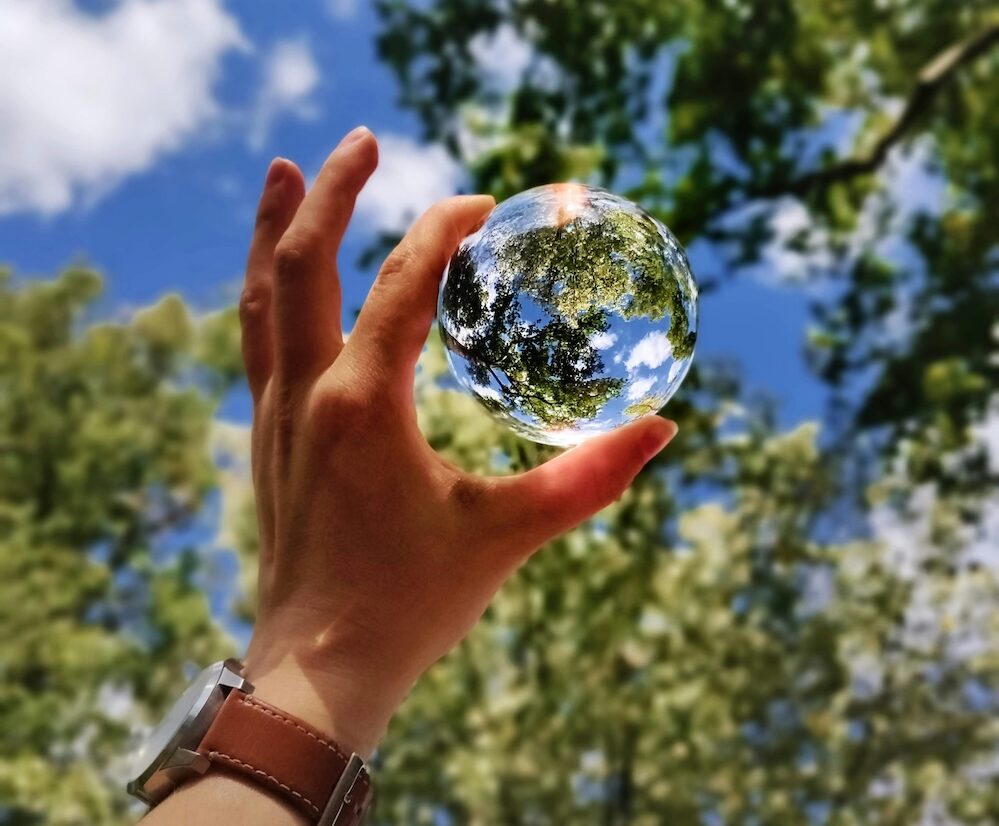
(251, 738)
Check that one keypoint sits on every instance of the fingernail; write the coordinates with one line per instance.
(355, 135)
(275, 172)
(658, 437)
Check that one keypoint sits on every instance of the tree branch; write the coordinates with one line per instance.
(932, 78)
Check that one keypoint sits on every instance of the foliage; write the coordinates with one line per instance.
(672, 662)
(619, 261)
(770, 627)
(722, 117)
(642, 669)
(826, 649)
(105, 462)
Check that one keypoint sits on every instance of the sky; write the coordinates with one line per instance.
(136, 133)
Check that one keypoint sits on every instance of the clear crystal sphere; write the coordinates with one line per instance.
(570, 312)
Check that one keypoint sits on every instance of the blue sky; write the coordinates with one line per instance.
(139, 131)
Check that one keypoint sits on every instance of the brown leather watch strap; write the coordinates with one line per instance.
(255, 740)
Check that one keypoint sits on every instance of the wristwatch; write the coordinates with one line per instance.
(218, 725)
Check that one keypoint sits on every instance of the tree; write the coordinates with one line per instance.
(772, 106)
(731, 666)
(769, 627)
(826, 648)
(676, 662)
(106, 465)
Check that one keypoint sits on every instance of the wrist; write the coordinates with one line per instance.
(352, 709)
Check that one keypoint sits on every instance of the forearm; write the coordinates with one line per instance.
(219, 800)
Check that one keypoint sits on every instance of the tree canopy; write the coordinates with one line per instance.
(770, 626)
(720, 117)
(105, 432)
(727, 120)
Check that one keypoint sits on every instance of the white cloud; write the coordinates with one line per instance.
(603, 341)
(911, 186)
(783, 258)
(291, 75)
(905, 535)
(983, 544)
(341, 9)
(502, 54)
(88, 99)
(677, 369)
(639, 387)
(410, 177)
(797, 248)
(914, 185)
(116, 701)
(986, 433)
(955, 617)
(652, 351)
(505, 58)
(484, 391)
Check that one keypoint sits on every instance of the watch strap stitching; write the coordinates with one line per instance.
(257, 705)
(213, 755)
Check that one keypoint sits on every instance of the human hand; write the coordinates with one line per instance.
(377, 555)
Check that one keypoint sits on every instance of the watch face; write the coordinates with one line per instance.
(178, 729)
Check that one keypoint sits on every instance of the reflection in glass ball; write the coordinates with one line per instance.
(571, 311)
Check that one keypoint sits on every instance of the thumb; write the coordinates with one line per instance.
(556, 496)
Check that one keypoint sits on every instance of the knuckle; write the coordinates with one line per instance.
(398, 261)
(292, 257)
(438, 211)
(254, 305)
(619, 485)
(619, 477)
(269, 212)
(454, 219)
(640, 458)
(342, 413)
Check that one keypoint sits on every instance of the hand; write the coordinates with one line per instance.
(377, 556)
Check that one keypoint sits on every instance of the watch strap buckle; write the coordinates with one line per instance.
(347, 803)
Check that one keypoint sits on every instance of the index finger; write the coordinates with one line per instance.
(306, 285)
(395, 319)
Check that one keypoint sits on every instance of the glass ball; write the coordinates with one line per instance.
(569, 312)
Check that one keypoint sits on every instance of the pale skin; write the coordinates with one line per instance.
(377, 555)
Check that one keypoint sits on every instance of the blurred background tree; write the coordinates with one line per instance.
(770, 627)
(105, 463)
(819, 676)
